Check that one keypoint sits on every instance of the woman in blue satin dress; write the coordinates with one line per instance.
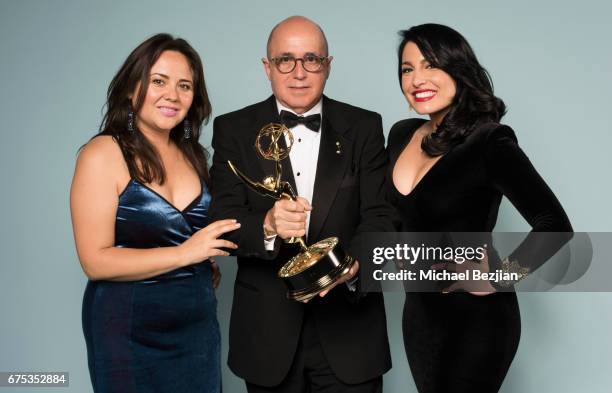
(139, 202)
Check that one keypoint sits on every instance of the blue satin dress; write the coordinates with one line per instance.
(160, 334)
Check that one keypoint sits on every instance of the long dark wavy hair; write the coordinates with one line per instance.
(474, 102)
(143, 160)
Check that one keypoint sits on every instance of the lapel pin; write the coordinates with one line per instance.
(338, 147)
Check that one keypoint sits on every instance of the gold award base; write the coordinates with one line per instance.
(314, 270)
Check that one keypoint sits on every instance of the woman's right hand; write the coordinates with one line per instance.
(205, 243)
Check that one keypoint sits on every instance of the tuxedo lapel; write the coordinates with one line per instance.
(331, 166)
(266, 115)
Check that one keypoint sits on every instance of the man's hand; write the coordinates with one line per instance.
(287, 218)
(344, 278)
(216, 273)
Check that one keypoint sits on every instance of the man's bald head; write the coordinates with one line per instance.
(295, 24)
(295, 40)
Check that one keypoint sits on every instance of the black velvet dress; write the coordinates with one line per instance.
(460, 342)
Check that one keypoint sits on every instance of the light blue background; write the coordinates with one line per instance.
(550, 61)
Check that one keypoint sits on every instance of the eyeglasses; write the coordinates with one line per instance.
(311, 63)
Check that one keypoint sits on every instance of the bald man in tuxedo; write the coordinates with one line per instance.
(336, 342)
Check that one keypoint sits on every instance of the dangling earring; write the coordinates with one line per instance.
(130, 123)
(410, 108)
(187, 128)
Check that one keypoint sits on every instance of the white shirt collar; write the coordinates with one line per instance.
(316, 109)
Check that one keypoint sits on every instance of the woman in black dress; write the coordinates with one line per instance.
(139, 203)
(448, 174)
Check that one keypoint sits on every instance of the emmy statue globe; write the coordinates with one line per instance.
(318, 266)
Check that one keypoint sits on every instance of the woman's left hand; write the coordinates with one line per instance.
(216, 273)
(474, 287)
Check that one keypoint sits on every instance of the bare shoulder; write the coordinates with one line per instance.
(103, 149)
(101, 157)
(103, 145)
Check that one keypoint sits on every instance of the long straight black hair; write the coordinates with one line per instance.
(474, 102)
(143, 161)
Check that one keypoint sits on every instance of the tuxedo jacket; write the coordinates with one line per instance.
(347, 199)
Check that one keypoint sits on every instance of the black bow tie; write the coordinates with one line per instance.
(312, 122)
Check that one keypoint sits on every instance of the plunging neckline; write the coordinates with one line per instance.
(418, 183)
(186, 208)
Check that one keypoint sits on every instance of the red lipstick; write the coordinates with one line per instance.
(423, 95)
